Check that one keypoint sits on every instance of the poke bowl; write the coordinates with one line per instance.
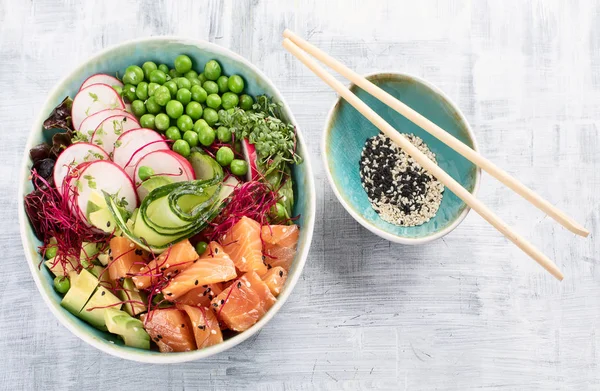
(167, 200)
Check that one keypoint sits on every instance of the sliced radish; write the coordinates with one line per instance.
(93, 99)
(163, 163)
(110, 129)
(101, 78)
(187, 166)
(249, 152)
(74, 155)
(105, 176)
(131, 146)
(89, 125)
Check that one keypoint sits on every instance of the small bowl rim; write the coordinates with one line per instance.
(139, 355)
(357, 216)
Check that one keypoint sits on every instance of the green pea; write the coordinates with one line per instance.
(238, 167)
(224, 134)
(141, 90)
(182, 148)
(199, 125)
(129, 92)
(148, 67)
(50, 252)
(147, 121)
(224, 156)
(172, 86)
(174, 74)
(229, 100)
(158, 76)
(61, 284)
(202, 78)
(152, 107)
(119, 89)
(133, 75)
(193, 109)
(214, 101)
(194, 81)
(152, 88)
(184, 96)
(278, 212)
(182, 82)
(173, 133)
(199, 94)
(183, 63)
(211, 87)
(206, 136)
(162, 95)
(246, 102)
(222, 83)
(191, 137)
(201, 247)
(191, 74)
(210, 116)
(164, 68)
(212, 70)
(236, 84)
(138, 108)
(162, 122)
(174, 109)
(145, 172)
(185, 123)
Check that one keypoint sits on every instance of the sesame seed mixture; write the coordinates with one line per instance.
(399, 189)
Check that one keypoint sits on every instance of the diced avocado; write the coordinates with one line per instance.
(93, 311)
(102, 274)
(103, 259)
(82, 288)
(103, 220)
(130, 292)
(88, 253)
(156, 182)
(59, 269)
(129, 328)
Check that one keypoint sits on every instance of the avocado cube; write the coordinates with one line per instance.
(130, 329)
(93, 311)
(83, 286)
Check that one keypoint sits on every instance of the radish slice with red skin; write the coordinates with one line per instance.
(93, 99)
(110, 129)
(105, 176)
(131, 146)
(163, 163)
(74, 155)
(89, 125)
(250, 156)
(101, 78)
(187, 166)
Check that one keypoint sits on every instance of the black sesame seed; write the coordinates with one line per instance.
(196, 282)
(103, 293)
(169, 294)
(138, 252)
(281, 273)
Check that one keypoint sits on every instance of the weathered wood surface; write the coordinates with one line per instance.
(469, 311)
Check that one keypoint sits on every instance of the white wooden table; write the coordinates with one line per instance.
(469, 311)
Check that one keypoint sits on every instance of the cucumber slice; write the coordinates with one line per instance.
(205, 166)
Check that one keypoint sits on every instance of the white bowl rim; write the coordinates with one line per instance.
(377, 231)
(149, 356)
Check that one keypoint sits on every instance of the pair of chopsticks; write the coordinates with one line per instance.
(299, 48)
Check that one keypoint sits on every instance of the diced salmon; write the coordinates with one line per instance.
(168, 264)
(244, 246)
(205, 326)
(275, 278)
(243, 303)
(212, 267)
(280, 243)
(125, 258)
(202, 295)
(170, 329)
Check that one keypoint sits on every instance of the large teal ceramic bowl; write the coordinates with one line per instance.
(346, 131)
(116, 59)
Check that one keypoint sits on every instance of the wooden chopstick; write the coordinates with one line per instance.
(424, 161)
(441, 134)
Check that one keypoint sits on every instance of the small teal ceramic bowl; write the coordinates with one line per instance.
(116, 59)
(346, 131)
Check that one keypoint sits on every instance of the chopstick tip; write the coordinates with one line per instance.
(287, 33)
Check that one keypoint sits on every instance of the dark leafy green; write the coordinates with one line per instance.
(60, 118)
